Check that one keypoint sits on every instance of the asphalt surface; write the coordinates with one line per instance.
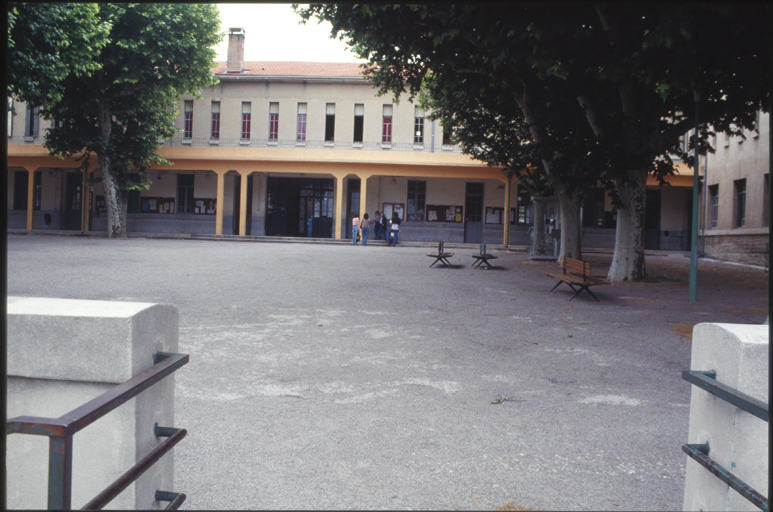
(326, 376)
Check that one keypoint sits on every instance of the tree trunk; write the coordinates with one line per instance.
(628, 259)
(115, 199)
(571, 229)
(539, 242)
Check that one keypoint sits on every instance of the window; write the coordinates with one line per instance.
(20, 187)
(740, 203)
(418, 125)
(215, 133)
(447, 137)
(330, 122)
(246, 119)
(185, 193)
(417, 194)
(359, 121)
(713, 206)
(31, 122)
(188, 120)
(524, 208)
(273, 121)
(766, 201)
(386, 125)
(301, 131)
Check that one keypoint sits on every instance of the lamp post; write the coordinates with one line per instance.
(694, 230)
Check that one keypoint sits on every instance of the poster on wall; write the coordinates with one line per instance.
(444, 213)
(392, 208)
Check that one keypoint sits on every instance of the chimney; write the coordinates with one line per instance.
(235, 63)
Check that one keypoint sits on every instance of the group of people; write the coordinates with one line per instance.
(388, 229)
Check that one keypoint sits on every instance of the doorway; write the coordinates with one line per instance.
(292, 202)
(473, 211)
(73, 201)
(652, 220)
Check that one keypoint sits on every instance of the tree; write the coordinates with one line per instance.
(631, 68)
(47, 43)
(154, 54)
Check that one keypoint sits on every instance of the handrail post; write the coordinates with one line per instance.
(60, 473)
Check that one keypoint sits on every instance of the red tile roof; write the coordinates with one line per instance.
(284, 68)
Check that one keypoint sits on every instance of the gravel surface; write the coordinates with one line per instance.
(327, 376)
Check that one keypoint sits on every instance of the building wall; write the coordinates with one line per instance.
(738, 158)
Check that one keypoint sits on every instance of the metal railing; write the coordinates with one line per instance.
(700, 452)
(60, 432)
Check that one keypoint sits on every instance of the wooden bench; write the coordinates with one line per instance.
(483, 258)
(576, 274)
(441, 255)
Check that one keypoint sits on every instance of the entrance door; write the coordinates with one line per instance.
(292, 202)
(237, 202)
(473, 213)
(652, 220)
(72, 201)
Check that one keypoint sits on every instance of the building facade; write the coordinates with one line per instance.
(297, 149)
(736, 208)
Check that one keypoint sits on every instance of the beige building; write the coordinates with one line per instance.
(296, 149)
(736, 210)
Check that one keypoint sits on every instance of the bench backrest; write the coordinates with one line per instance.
(440, 248)
(483, 248)
(579, 267)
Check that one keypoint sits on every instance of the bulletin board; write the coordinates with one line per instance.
(157, 205)
(444, 213)
(390, 208)
(204, 205)
(100, 205)
(495, 215)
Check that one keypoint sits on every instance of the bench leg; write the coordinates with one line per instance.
(585, 288)
(556, 286)
(446, 262)
(433, 263)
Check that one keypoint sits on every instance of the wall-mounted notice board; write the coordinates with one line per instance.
(204, 206)
(444, 213)
(157, 204)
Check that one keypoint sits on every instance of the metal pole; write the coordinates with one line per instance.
(694, 230)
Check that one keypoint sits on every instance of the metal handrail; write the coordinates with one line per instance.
(706, 380)
(60, 431)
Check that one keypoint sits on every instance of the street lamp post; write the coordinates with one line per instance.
(694, 230)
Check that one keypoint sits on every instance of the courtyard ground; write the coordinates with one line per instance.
(327, 376)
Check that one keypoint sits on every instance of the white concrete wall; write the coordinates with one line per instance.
(61, 353)
(739, 354)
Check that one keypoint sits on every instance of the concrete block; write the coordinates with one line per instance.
(739, 354)
(63, 353)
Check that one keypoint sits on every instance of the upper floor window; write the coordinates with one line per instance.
(215, 133)
(740, 203)
(359, 121)
(31, 122)
(418, 126)
(273, 121)
(386, 125)
(300, 135)
(188, 119)
(10, 117)
(330, 121)
(713, 206)
(246, 119)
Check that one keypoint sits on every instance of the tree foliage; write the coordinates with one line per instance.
(628, 69)
(49, 41)
(125, 101)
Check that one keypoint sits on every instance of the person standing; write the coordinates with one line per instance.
(395, 229)
(383, 221)
(365, 228)
(355, 228)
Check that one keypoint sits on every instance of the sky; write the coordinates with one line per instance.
(273, 33)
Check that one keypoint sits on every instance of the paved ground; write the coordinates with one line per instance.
(338, 377)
